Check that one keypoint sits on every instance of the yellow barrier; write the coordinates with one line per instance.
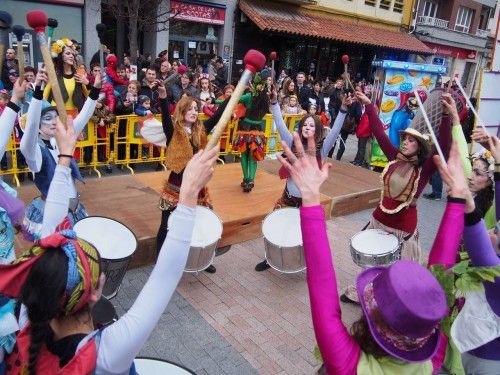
(123, 144)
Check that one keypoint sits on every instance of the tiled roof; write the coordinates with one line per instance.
(280, 17)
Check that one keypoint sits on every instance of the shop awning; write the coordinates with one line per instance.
(281, 17)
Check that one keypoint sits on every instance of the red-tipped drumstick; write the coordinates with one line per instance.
(37, 19)
(273, 56)
(345, 61)
(19, 31)
(254, 61)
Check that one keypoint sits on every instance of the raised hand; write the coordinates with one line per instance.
(98, 81)
(494, 147)
(450, 108)
(304, 170)
(362, 98)
(41, 77)
(482, 137)
(162, 91)
(18, 90)
(66, 140)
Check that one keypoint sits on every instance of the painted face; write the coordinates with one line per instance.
(309, 128)
(68, 56)
(13, 75)
(192, 113)
(479, 178)
(409, 146)
(48, 124)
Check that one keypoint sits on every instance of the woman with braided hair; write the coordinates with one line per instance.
(58, 281)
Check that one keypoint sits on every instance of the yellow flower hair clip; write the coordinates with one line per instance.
(58, 46)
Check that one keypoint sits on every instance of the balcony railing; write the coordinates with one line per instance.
(482, 33)
(431, 21)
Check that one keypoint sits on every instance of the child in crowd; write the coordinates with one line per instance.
(143, 107)
(206, 92)
(293, 107)
(102, 118)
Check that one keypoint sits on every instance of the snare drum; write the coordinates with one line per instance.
(206, 235)
(116, 245)
(375, 247)
(151, 366)
(283, 240)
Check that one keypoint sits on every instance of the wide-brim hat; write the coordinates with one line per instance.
(403, 305)
(423, 139)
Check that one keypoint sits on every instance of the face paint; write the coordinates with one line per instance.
(48, 123)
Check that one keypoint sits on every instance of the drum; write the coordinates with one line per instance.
(375, 247)
(103, 313)
(151, 366)
(116, 245)
(206, 235)
(283, 240)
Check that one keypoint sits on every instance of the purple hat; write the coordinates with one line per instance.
(403, 304)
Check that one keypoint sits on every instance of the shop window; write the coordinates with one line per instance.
(430, 9)
(398, 6)
(371, 2)
(385, 4)
(464, 19)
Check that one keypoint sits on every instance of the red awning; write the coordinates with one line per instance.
(280, 17)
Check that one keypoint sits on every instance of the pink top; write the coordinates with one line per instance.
(339, 350)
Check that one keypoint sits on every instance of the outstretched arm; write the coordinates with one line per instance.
(337, 126)
(283, 131)
(82, 119)
(377, 127)
(9, 115)
(212, 121)
(29, 142)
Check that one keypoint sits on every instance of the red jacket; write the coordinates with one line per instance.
(111, 65)
(363, 130)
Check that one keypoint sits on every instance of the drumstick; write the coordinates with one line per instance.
(429, 126)
(467, 100)
(345, 61)
(19, 31)
(254, 61)
(50, 31)
(5, 22)
(101, 29)
(37, 19)
(273, 56)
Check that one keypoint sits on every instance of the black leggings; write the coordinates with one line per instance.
(162, 230)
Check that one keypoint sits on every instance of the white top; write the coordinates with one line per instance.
(7, 120)
(287, 137)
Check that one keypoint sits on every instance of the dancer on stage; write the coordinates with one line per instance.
(402, 304)
(59, 280)
(183, 135)
(250, 138)
(404, 178)
(309, 127)
(39, 148)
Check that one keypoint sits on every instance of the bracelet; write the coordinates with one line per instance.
(65, 156)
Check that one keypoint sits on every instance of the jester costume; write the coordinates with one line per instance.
(250, 138)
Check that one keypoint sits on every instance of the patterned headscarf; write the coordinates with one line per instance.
(83, 269)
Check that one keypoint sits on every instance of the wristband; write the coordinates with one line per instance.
(65, 156)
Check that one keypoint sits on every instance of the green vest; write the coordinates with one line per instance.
(368, 364)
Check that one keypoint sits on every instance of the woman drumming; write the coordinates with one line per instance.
(185, 136)
(402, 305)
(404, 178)
(39, 148)
(59, 281)
(309, 127)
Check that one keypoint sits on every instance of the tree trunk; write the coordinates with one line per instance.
(133, 33)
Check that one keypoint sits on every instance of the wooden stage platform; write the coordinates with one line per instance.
(133, 200)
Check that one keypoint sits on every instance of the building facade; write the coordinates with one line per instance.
(458, 32)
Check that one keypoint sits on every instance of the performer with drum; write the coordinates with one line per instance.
(40, 151)
(58, 281)
(309, 127)
(402, 305)
(404, 178)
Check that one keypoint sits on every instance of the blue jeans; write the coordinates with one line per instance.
(437, 184)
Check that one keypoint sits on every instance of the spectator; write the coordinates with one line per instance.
(183, 86)
(317, 97)
(206, 93)
(103, 118)
(111, 65)
(287, 90)
(143, 107)
(13, 75)
(282, 78)
(350, 124)
(221, 73)
(96, 56)
(107, 89)
(364, 133)
(127, 101)
(150, 89)
(122, 74)
(10, 63)
(212, 73)
(293, 107)
(303, 90)
(335, 99)
(163, 70)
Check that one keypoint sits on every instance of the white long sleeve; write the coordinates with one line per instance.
(283, 131)
(83, 117)
(333, 134)
(7, 120)
(57, 202)
(121, 341)
(29, 142)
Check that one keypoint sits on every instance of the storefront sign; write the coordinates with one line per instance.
(460, 53)
(197, 13)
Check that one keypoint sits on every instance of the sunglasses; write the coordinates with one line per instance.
(14, 74)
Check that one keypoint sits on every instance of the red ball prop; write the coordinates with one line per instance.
(37, 19)
(254, 60)
(182, 69)
(273, 55)
(345, 59)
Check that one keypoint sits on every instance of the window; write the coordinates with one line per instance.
(464, 19)
(385, 4)
(430, 9)
(371, 2)
(398, 6)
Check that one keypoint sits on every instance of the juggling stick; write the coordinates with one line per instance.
(37, 19)
(52, 26)
(467, 100)
(345, 61)
(101, 29)
(273, 56)
(429, 126)
(5, 22)
(19, 31)
(254, 61)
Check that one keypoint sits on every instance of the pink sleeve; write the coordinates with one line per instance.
(339, 350)
(444, 249)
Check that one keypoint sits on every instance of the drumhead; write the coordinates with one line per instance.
(374, 242)
(207, 227)
(282, 227)
(111, 238)
(158, 367)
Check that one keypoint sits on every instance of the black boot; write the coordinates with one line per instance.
(262, 266)
(210, 269)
